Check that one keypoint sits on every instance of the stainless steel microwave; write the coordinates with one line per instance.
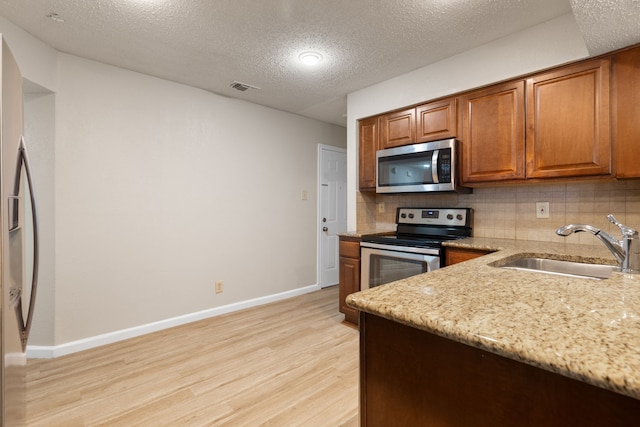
(419, 168)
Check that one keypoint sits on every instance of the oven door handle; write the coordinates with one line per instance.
(400, 249)
(412, 256)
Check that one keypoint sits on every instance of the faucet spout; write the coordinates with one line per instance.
(576, 228)
(614, 245)
(626, 251)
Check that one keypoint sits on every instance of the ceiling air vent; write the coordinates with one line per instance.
(243, 86)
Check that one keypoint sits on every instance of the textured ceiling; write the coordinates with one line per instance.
(607, 25)
(211, 43)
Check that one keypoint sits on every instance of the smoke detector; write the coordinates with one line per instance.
(242, 87)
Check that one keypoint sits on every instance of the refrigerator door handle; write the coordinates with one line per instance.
(23, 161)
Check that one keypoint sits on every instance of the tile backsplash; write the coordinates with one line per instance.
(510, 212)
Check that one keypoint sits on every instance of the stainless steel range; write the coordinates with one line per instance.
(415, 248)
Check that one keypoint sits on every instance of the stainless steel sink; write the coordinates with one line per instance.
(562, 268)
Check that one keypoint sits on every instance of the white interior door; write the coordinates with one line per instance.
(332, 206)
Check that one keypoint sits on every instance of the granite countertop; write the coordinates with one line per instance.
(582, 328)
(390, 230)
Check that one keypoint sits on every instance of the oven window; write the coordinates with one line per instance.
(386, 269)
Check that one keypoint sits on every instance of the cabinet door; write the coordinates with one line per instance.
(436, 120)
(626, 111)
(568, 121)
(493, 134)
(457, 255)
(349, 283)
(368, 137)
(397, 129)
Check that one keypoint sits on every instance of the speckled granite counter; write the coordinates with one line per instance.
(584, 329)
(368, 232)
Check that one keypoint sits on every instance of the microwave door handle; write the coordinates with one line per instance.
(434, 166)
(23, 161)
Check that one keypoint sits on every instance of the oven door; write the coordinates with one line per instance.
(387, 264)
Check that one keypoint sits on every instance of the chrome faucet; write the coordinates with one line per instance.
(626, 251)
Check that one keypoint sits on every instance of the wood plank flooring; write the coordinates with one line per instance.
(289, 363)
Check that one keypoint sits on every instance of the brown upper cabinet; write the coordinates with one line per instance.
(493, 133)
(626, 112)
(564, 133)
(568, 133)
(398, 128)
(368, 137)
(429, 122)
(437, 120)
(574, 121)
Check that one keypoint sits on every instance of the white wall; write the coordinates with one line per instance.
(552, 43)
(39, 131)
(37, 60)
(160, 190)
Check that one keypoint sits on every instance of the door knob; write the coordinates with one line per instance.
(325, 229)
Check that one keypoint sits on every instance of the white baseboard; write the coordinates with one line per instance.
(49, 352)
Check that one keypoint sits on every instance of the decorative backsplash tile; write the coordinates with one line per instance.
(510, 212)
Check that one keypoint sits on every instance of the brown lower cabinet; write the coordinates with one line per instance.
(349, 251)
(409, 377)
(456, 255)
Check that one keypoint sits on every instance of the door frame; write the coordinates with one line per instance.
(319, 209)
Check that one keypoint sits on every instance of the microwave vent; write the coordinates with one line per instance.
(242, 87)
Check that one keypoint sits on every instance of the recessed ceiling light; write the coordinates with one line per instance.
(310, 58)
(55, 17)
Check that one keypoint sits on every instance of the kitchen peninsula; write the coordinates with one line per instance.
(475, 344)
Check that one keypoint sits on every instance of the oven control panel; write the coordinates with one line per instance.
(438, 216)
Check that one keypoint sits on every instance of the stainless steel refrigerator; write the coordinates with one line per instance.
(18, 245)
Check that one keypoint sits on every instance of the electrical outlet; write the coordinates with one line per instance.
(542, 209)
(219, 287)
(381, 207)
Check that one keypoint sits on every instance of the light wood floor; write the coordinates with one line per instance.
(290, 363)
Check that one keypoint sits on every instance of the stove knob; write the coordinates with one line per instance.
(459, 217)
(449, 216)
(410, 215)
